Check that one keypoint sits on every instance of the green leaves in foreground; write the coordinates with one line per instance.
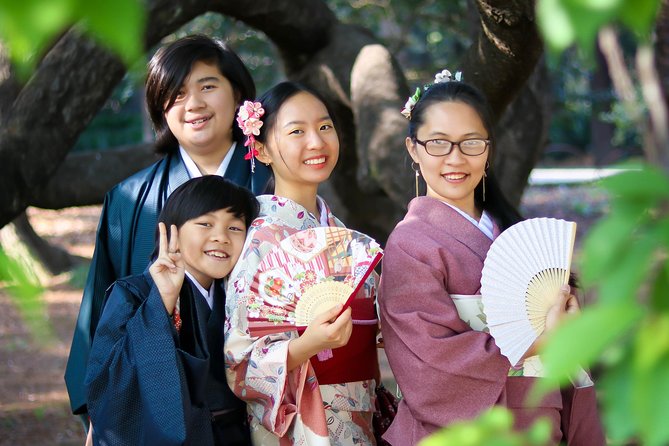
(626, 261)
(25, 292)
(492, 428)
(28, 27)
(565, 22)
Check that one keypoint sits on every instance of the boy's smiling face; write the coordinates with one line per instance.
(211, 244)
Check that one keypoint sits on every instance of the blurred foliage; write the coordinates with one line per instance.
(626, 261)
(491, 428)
(31, 25)
(22, 286)
(567, 22)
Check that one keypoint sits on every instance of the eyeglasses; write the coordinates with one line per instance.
(442, 147)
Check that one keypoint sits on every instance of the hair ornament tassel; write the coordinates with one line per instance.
(248, 119)
(441, 77)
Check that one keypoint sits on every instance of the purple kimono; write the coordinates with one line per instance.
(447, 371)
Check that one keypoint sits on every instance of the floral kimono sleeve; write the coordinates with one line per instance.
(256, 367)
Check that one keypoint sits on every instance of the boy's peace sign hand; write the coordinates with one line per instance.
(168, 269)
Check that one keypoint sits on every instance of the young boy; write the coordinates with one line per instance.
(156, 374)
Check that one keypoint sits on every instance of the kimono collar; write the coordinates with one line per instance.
(207, 295)
(293, 214)
(434, 213)
(194, 171)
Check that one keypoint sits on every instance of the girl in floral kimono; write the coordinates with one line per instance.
(315, 387)
(445, 362)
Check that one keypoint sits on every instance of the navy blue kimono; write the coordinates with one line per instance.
(151, 385)
(125, 240)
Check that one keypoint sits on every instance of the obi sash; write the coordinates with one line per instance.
(470, 310)
(357, 360)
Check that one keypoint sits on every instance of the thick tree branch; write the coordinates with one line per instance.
(9, 87)
(296, 27)
(506, 51)
(84, 177)
(70, 85)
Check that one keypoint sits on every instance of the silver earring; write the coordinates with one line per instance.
(416, 168)
(485, 174)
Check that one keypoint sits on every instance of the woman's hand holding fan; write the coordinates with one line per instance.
(329, 330)
(521, 280)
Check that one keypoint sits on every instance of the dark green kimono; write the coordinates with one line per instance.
(125, 241)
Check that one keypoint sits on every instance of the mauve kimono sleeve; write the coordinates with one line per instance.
(256, 367)
(445, 370)
(134, 381)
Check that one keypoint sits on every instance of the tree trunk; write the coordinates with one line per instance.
(506, 51)
(601, 132)
(522, 133)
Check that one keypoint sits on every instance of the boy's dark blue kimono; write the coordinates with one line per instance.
(151, 385)
(125, 241)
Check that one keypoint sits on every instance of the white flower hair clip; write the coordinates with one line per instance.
(441, 77)
(446, 76)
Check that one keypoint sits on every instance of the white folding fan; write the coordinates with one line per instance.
(522, 275)
(308, 273)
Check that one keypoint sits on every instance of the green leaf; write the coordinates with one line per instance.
(615, 392)
(648, 184)
(29, 26)
(588, 17)
(650, 401)
(658, 295)
(603, 246)
(555, 25)
(639, 16)
(118, 24)
(629, 271)
(581, 340)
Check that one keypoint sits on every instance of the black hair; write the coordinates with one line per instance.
(172, 64)
(496, 203)
(202, 195)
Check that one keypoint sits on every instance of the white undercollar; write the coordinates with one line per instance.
(194, 172)
(485, 224)
(208, 295)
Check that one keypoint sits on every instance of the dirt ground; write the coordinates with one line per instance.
(34, 407)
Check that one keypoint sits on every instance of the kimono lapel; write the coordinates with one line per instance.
(178, 175)
(438, 214)
(286, 212)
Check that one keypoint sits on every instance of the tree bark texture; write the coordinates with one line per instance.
(373, 181)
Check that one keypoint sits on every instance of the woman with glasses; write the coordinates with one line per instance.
(445, 362)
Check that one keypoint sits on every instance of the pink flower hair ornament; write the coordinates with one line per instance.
(248, 119)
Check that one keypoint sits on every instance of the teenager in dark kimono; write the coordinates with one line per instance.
(156, 374)
(193, 89)
(446, 364)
